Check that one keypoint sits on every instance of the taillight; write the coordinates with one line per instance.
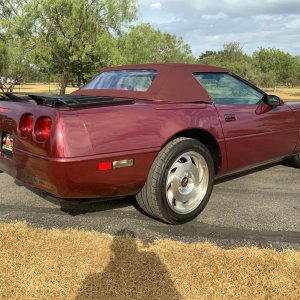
(42, 129)
(25, 125)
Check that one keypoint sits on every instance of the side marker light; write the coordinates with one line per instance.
(122, 163)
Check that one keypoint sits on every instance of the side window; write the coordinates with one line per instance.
(226, 89)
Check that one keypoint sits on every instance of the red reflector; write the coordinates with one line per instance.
(25, 125)
(42, 129)
(104, 166)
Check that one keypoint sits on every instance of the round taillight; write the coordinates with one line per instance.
(25, 125)
(42, 129)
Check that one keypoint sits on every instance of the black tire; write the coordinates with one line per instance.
(154, 198)
(296, 160)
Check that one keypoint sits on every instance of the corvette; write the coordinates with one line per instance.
(161, 132)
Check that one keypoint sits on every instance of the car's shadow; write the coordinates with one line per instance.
(84, 206)
(76, 207)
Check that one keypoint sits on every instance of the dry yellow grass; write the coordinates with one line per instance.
(287, 94)
(70, 264)
(51, 88)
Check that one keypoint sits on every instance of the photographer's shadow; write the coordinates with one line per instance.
(131, 274)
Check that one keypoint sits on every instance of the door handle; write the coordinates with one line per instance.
(230, 117)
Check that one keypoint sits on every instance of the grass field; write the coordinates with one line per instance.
(287, 94)
(71, 264)
(50, 88)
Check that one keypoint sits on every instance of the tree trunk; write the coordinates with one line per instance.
(79, 80)
(11, 88)
(64, 81)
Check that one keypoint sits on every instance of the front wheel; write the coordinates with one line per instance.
(180, 182)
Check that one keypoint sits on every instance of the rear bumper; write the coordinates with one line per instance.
(79, 177)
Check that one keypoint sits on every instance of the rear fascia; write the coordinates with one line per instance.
(75, 178)
(66, 165)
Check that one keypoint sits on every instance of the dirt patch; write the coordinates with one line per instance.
(72, 264)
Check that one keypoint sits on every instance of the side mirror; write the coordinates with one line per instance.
(273, 100)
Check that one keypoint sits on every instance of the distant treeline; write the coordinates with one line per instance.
(266, 67)
(70, 40)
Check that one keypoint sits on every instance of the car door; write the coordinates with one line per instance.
(254, 132)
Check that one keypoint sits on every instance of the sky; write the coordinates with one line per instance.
(208, 24)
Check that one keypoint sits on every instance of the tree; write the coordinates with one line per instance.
(3, 55)
(233, 58)
(15, 62)
(284, 67)
(145, 44)
(207, 54)
(65, 34)
(231, 53)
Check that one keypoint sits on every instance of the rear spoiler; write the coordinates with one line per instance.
(65, 101)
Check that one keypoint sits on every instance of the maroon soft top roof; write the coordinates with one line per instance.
(173, 83)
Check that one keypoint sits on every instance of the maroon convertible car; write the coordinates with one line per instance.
(162, 132)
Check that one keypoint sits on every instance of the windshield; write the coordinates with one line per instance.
(132, 80)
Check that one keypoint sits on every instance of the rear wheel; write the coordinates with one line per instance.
(179, 183)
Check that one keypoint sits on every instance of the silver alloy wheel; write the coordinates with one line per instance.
(187, 182)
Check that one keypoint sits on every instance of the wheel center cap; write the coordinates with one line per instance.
(184, 182)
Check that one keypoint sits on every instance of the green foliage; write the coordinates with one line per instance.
(65, 35)
(15, 64)
(266, 67)
(17, 61)
(145, 44)
(231, 53)
(3, 55)
(233, 58)
(281, 65)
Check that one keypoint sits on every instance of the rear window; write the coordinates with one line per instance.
(131, 80)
